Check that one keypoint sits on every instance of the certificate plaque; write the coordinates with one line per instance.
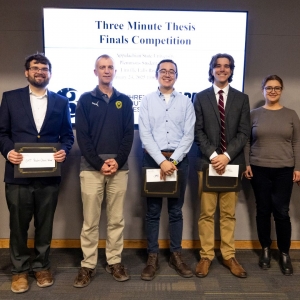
(221, 183)
(38, 160)
(160, 189)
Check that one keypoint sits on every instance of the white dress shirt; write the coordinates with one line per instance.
(39, 108)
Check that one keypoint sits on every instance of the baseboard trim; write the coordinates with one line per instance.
(186, 244)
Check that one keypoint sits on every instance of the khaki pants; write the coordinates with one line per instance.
(93, 187)
(206, 228)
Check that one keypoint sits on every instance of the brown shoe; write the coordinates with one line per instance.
(118, 272)
(83, 277)
(19, 283)
(43, 278)
(181, 268)
(151, 267)
(235, 268)
(202, 267)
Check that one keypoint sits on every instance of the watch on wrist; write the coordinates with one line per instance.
(173, 161)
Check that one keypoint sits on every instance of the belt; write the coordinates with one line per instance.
(165, 153)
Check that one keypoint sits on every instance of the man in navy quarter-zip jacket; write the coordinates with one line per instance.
(104, 127)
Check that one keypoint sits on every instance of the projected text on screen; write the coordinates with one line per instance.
(137, 40)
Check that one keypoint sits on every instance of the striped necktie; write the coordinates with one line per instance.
(222, 117)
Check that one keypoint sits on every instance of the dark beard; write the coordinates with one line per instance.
(36, 84)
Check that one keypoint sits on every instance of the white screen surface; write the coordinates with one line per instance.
(138, 40)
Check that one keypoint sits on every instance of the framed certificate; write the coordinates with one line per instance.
(153, 186)
(224, 183)
(38, 160)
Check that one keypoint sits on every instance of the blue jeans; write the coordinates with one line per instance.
(154, 206)
(272, 189)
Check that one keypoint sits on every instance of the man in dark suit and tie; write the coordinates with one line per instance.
(32, 115)
(221, 131)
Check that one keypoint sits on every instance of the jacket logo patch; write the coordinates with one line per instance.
(119, 104)
(97, 103)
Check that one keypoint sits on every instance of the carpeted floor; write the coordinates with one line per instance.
(219, 284)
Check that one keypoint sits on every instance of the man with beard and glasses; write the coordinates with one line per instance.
(32, 115)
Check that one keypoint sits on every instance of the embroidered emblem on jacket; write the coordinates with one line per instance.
(96, 103)
(119, 104)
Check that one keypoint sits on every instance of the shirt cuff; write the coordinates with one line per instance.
(8, 154)
(215, 154)
(225, 153)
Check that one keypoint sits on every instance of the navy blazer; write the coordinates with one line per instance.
(208, 124)
(17, 126)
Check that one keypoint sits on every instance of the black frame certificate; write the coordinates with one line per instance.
(159, 188)
(37, 160)
(221, 183)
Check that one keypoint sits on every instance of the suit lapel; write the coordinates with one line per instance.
(50, 104)
(212, 98)
(25, 98)
(229, 102)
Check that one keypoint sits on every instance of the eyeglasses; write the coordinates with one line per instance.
(36, 69)
(165, 72)
(270, 89)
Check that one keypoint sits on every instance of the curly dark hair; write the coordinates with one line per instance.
(213, 64)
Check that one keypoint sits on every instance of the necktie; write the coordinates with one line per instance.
(222, 117)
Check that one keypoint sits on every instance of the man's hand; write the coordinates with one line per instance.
(113, 165)
(60, 156)
(248, 173)
(15, 157)
(105, 170)
(166, 168)
(109, 167)
(220, 162)
(221, 172)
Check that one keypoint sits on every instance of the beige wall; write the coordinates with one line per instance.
(273, 46)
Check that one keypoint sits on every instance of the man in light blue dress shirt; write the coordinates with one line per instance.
(166, 126)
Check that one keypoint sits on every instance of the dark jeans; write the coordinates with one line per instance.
(272, 189)
(24, 202)
(154, 206)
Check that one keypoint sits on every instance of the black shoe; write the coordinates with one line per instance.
(285, 264)
(265, 258)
